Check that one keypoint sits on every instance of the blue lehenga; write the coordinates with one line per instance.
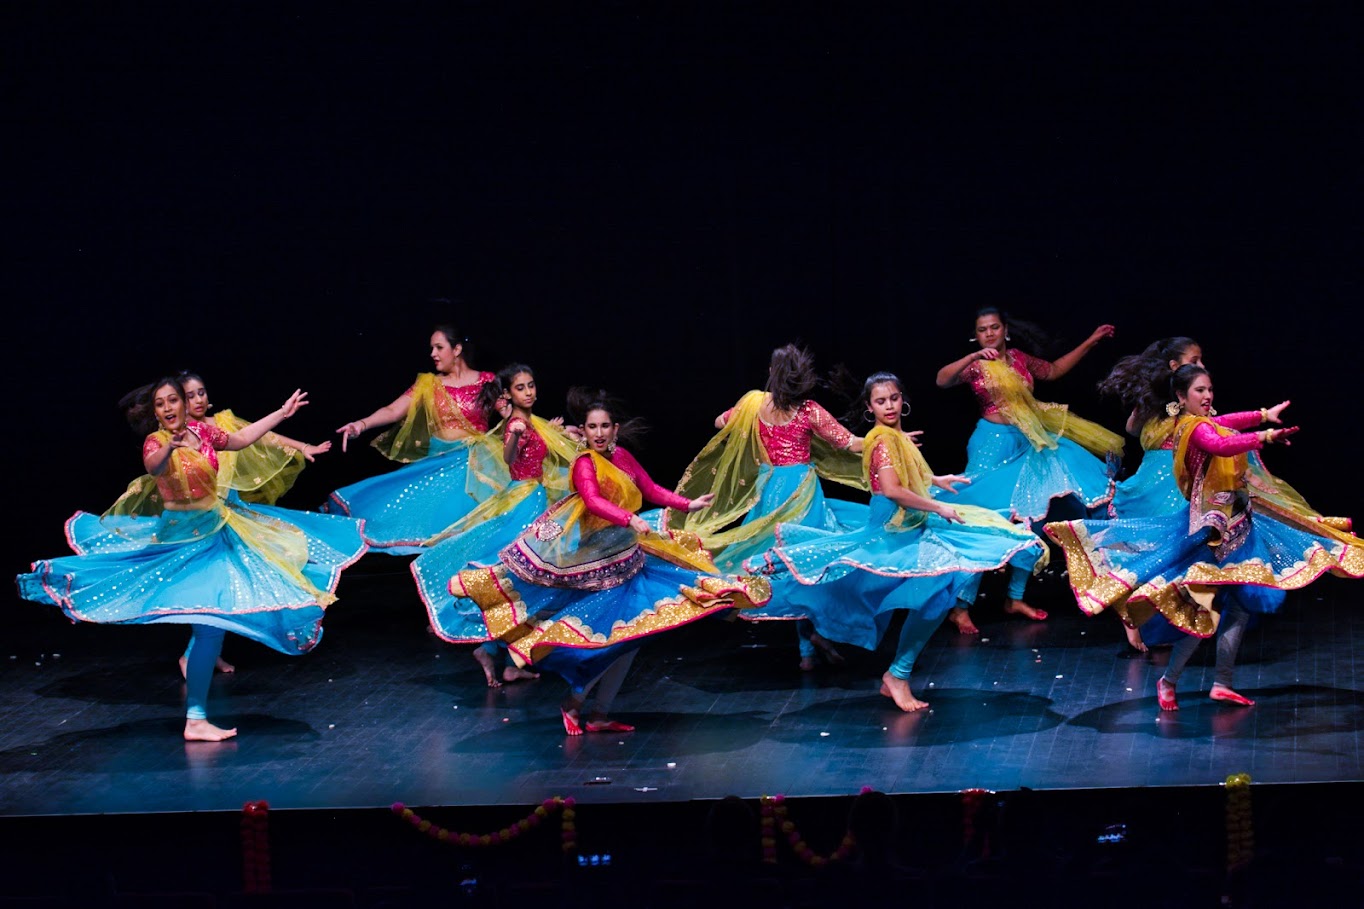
(259, 571)
(1233, 537)
(540, 478)
(440, 480)
(1041, 453)
(850, 582)
(577, 589)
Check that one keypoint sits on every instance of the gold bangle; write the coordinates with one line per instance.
(1264, 414)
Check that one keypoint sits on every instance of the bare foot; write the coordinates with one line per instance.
(1221, 692)
(1134, 638)
(221, 666)
(1165, 695)
(898, 691)
(808, 664)
(484, 660)
(960, 617)
(517, 674)
(204, 731)
(827, 650)
(1018, 607)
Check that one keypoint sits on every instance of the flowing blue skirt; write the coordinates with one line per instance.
(457, 619)
(407, 506)
(1011, 477)
(1150, 559)
(1152, 490)
(849, 583)
(194, 568)
(584, 620)
(779, 484)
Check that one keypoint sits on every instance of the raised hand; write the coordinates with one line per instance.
(350, 431)
(1103, 331)
(310, 451)
(296, 400)
(913, 436)
(1272, 413)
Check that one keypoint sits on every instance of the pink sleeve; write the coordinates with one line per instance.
(213, 434)
(585, 482)
(1245, 419)
(653, 493)
(1038, 367)
(149, 445)
(880, 459)
(724, 417)
(827, 427)
(1208, 439)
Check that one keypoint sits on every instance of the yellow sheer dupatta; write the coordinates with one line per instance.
(554, 477)
(1042, 422)
(261, 472)
(412, 439)
(730, 465)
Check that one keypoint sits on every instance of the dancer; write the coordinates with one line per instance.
(537, 454)
(203, 562)
(258, 474)
(764, 467)
(441, 425)
(916, 553)
(1024, 454)
(1231, 550)
(589, 580)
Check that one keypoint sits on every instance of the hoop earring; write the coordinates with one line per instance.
(868, 416)
(904, 409)
(1006, 336)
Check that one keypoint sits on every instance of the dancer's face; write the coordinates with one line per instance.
(990, 332)
(169, 407)
(522, 390)
(1198, 399)
(885, 401)
(444, 354)
(600, 431)
(196, 399)
(1191, 354)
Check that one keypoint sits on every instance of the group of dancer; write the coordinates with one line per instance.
(531, 546)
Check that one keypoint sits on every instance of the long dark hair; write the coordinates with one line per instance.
(136, 407)
(1026, 336)
(582, 401)
(489, 394)
(791, 376)
(1142, 381)
(453, 335)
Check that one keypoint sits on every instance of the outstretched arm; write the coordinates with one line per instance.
(276, 440)
(1062, 365)
(252, 432)
(392, 413)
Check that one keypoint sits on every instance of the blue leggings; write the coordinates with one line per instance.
(917, 630)
(205, 644)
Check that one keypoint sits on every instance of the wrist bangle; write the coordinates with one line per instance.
(1264, 414)
(1266, 436)
(363, 426)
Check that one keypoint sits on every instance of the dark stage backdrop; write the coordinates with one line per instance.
(650, 198)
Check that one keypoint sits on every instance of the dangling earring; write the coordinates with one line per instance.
(611, 447)
(1006, 336)
(1212, 412)
(1173, 408)
(904, 409)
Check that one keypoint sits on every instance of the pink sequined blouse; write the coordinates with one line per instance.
(173, 487)
(462, 399)
(880, 459)
(789, 443)
(1026, 365)
(585, 484)
(531, 451)
(1209, 441)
